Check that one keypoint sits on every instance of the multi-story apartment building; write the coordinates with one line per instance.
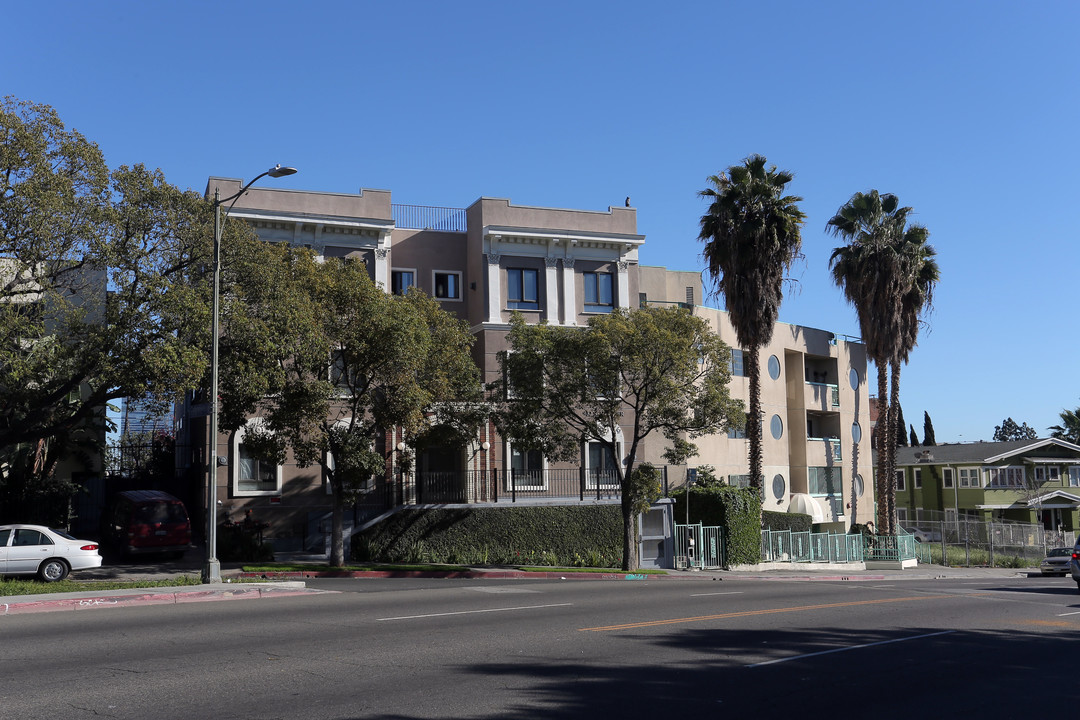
(559, 266)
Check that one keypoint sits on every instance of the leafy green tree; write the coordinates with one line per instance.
(887, 272)
(102, 288)
(752, 237)
(1069, 429)
(328, 362)
(928, 430)
(1009, 430)
(626, 375)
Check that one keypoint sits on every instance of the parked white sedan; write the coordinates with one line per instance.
(50, 554)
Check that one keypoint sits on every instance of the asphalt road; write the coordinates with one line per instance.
(993, 648)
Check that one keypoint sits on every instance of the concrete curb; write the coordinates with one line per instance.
(23, 604)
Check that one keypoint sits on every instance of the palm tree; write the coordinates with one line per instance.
(887, 273)
(752, 236)
(1069, 429)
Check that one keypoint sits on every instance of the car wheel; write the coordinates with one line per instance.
(53, 570)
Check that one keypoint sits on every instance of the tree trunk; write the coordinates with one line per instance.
(754, 421)
(337, 533)
(894, 402)
(884, 440)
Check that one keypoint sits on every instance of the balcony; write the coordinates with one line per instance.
(428, 217)
(822, 396)
(823, 452)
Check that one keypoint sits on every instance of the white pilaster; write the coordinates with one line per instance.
(382, 267)
(569, 292)
(624, 284)
(494, 288)
(551, 289)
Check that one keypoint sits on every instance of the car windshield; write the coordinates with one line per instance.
(1058, 552)
(62, 534)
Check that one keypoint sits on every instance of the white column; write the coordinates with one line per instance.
(494, 288)
(551, 290)
(570, 311)
(382, 267)
(624, 284)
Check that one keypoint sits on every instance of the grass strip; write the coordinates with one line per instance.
(14, 587)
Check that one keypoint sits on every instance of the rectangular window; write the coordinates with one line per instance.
(522, 289)
(601, 467)
(947, 477)
(741, 481)
(901, 516)
(1005, 477)
(736, 365)
(969, 477)
(402, 280)
(255, 474)
(527, 468)
(917, 478)
(1045, 474)
(1074, 476)
(447, 285)
(736, 433)
(825, 481)
(598, 292)
(901, 483)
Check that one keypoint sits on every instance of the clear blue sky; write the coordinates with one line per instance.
(968, 111)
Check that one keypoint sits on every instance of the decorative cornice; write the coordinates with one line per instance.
(493, 258)
(551, 261)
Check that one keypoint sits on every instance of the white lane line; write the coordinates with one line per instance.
(1067, 614)
(733, 592)
(852, 647)
(473, 612)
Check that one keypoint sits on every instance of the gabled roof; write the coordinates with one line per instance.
(1055, 495)
(981, 452)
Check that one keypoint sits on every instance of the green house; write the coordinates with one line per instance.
(1031, 481)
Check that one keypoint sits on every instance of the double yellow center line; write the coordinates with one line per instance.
(772, 611)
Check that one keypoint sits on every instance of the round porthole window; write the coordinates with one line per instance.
(779, 486)
(774, 367)
(853, 377)
(856, 432)
(776, 425)
(858, 486)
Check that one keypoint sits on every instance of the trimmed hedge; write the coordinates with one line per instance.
(795, 522)
(579, 536)
(734, 509)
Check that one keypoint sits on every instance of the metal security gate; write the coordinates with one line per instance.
(698, 547)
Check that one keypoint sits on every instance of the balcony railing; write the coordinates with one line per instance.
(428, 217)
(571, 484)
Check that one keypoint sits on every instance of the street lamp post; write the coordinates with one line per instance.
(212, 569)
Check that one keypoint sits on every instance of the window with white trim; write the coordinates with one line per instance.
(526, 470)
(1005, 477)
(969, 477)
(901, 516)
(1074, 476)
(447, 285)
(522, 289)
(401, 281)
(947, 477)
(1047, 474)
(599, 291)
(601, 467)
(901, 483)
(253, 475)
(917, 478)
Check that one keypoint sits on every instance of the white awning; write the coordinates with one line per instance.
(806, 505)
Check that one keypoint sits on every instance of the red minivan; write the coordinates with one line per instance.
(139, 522)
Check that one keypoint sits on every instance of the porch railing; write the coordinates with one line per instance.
(428, 217)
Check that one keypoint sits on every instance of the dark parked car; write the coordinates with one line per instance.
(146, 521)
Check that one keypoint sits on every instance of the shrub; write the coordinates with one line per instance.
(795, 522)
(736, 510)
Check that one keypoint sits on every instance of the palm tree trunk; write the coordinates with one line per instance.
(884, 439)
(753, 420)
(894, 402)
